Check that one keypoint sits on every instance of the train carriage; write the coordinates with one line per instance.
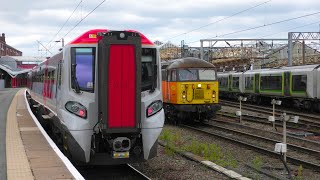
(298, 85)
(190, 89)
(101, 97)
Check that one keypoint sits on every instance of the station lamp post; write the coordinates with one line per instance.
(239, 113)
(272, 118)
(62, 42)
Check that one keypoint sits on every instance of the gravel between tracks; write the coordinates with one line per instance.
(245, 156)
(166, 166)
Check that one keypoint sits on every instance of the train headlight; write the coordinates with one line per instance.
(154, 107)
(199, 85)
(213, 95)
(183, 96)
(77, 109)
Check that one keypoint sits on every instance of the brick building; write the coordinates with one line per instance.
(6, 50)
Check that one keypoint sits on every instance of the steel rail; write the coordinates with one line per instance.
(259, 149)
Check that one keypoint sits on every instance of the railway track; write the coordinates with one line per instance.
(263, 120)
(275, 136)
(308, 121)
(296, 155)
(117, 172)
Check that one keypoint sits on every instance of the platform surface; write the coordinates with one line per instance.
(29, 155)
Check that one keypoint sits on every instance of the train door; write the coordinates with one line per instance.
(119, 81)
(230, 82)
(286, 83)
(256, 83)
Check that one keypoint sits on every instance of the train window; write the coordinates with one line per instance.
(148, 62)
(188, 74)
(174, 75)
(207, 74)
(271, 82)
(235, 82)
(83, 60)
(249, 83)
(223, 82)
(164, 74)
(59, 74)
(299, 82)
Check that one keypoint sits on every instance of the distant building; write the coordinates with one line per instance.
(14, 69)
(6, 50)
(301, 55)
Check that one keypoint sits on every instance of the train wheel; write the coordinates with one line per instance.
(259, 100)
(317, 106)
(307, 105)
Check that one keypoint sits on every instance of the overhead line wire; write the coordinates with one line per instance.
(84, 17)
(81, 20)
(64, 23)
(297, 27)
(219, 20)
(260, 26)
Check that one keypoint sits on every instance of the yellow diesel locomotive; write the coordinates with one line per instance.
(190, 90)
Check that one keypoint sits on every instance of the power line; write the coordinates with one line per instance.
(257, 27)
(84, 18)
(219, 20)
(64, 23)
(298, 27)
(80, 21)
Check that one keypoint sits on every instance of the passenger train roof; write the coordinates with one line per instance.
(190, 62)
(305, 67)
(91, 37)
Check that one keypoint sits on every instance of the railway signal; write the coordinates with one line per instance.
(239, 113)
(282, 147)
(272, 118)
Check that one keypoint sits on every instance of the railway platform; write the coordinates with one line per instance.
(29, 152)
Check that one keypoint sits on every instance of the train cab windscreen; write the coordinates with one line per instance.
(148, 70)
(82, 68)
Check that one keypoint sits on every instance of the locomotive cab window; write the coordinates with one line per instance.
(148, 70)
(187, 74)
(82, 69)
(207, 74)
(299, 82)
(163, 74)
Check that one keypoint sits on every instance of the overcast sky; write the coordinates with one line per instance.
(26, 22)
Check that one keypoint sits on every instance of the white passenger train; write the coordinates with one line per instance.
(101, 97)
(297, 86)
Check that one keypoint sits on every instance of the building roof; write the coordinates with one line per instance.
(9, 65)
(27, 58)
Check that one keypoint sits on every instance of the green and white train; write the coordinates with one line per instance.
(298, 85)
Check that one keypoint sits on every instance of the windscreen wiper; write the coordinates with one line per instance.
(74, 79)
